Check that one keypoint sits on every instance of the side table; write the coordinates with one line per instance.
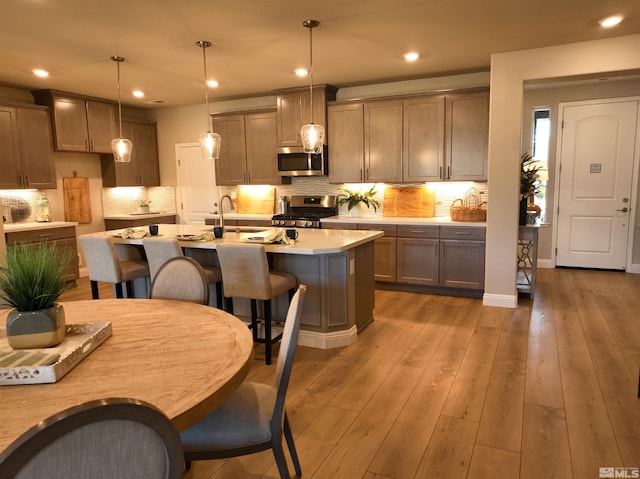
(527, 259)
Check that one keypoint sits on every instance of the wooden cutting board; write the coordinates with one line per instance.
(77, 199)
(256, 200)
(410, 201)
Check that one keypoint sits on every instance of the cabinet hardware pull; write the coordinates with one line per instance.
(440, 173)
(460, 233)
(44, 235)
(448, 172)
(418, 231)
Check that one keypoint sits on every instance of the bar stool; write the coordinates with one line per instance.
(161, 250)
(104, 265)
(245, 274)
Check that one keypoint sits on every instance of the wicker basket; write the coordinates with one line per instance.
(460, 212)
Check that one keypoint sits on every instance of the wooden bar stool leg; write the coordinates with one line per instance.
(267, 330)
(95, 294)
(129, 289)
(254, 320)
(219, 295)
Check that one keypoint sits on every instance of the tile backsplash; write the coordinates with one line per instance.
(124, 200)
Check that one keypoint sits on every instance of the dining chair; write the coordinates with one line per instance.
(116, 437)
(181, 278)
(104, 265)
(253, 418)
(245, 274)
(160, 250)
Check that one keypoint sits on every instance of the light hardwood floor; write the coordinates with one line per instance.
(443, 387)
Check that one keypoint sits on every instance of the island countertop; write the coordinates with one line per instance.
(310, 241)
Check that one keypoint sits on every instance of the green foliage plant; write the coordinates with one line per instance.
(32, 277)
(529, 177)
(352, 197)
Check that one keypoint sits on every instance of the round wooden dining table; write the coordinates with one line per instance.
(183, 358)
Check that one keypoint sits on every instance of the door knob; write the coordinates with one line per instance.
(624, 210)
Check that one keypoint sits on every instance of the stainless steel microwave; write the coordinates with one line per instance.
(293, 161)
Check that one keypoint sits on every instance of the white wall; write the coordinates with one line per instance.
(509, 71)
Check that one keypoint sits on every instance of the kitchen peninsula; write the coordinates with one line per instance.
(336, 265)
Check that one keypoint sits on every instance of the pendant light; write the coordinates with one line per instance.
(121, 147)
(312, 135)
(209, 141)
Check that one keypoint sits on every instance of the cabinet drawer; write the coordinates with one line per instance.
(418, 231)
(339, 226)
(35, 236)
(462, 233)
(389, 230)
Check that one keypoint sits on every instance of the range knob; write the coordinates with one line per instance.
(308, 224)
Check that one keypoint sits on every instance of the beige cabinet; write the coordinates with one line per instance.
(462, 257)
(79, 124)
(65, 238)
(417, 255)
(143, 169)
(116, 224)
(383, 141)
(384, 251)
(293, 110)
(26, 159)
(467, 136)
(248, 150)
(346, 142)
(423, 139)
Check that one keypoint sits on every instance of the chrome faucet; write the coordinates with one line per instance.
(221, 201)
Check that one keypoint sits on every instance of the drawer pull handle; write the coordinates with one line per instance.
(44, 235)
(418, 231)
(460, 233)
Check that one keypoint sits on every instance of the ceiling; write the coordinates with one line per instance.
(257, 44)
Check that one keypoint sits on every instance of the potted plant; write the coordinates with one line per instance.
(353, 199)
(529, 183)
(143, 205)
(32, 281)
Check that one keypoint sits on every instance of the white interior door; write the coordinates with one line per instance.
(196, 191)
(596, 160)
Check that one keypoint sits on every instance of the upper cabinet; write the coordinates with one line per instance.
(467, 136)
(26, 159)
(79, 124)
(248, 150)
(293, 110)
(143, 169)
(413, 139)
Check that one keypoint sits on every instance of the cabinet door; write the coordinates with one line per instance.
(145, 146)
(70, 124)
(346, 139)
(423, 139)
(38, 169)
(288, 119)
(383, 141)
(319, 108)
(126, 174)
(385, 259)
(101, 126)
(467, 136)
(260, 139)
(10, 163)
(462, 264)
(417, 261)
(231, 166)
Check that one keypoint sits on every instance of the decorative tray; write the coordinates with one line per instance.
(39, 366)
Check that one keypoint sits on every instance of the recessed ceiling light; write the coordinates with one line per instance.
(301, 72)
(138, 93)
(411, 56)
(212, 83)
(41, 73)
(610, 21)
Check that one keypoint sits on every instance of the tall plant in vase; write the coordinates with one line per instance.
(529, 183)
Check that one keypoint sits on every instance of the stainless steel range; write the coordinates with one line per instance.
(306, 211)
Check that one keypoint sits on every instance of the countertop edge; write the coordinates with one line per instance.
(399, 220)
(14, 227)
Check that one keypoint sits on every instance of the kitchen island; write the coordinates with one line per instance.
(336, 265)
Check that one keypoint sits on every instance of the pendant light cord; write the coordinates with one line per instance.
(204, 44)
(118, 60)
(311, 70)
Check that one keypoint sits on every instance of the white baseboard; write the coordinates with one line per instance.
(635, 269)
(84, 272)
(546, 263)
(500, 300)
(336, 339)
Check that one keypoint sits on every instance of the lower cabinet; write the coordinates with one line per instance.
(65, 238)
(436, 257)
